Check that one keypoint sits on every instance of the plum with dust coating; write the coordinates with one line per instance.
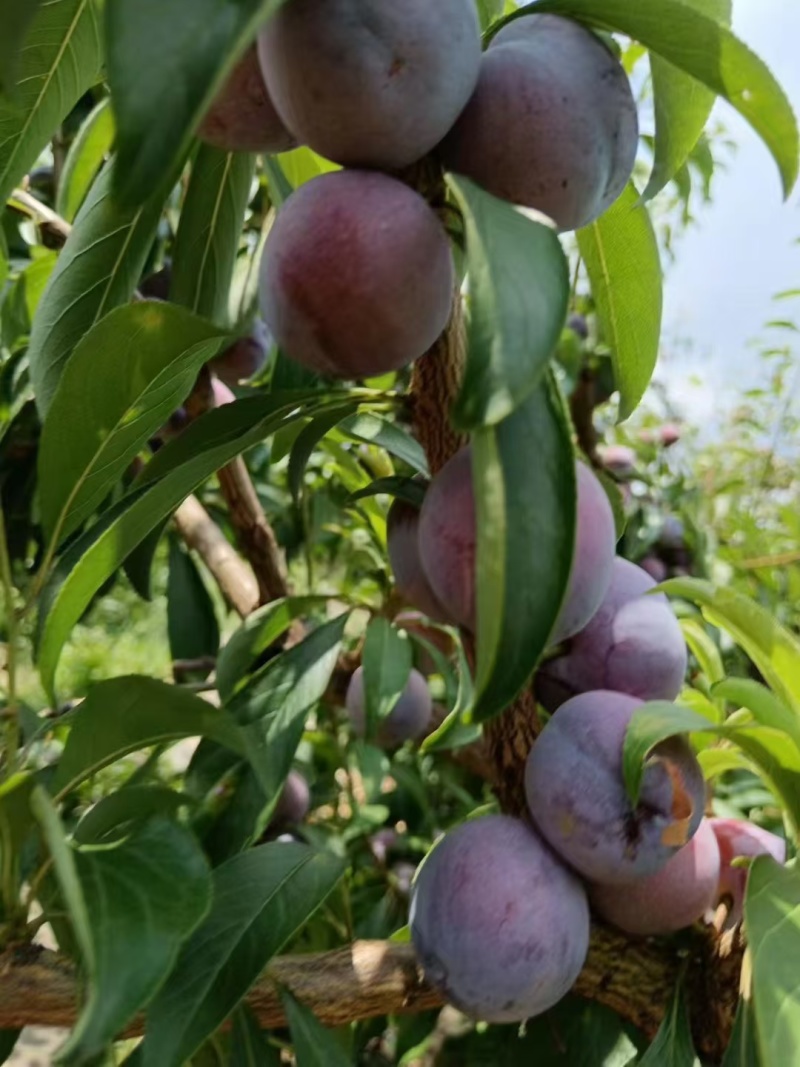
(408, 719)
(500, 926)
(576, 792)
(402, 535)
(242, 117)
(552, 123)
(371, 83)
(633, 644)
(673, 898)
(447, 541)
(357, 276)
(739, 838)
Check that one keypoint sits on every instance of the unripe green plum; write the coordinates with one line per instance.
(633, 644)
(740, 839)
(671, 899)
(500, 926)
(243, 118)
(447, 543)
(577, 798)
(357, 276)
(408, 719)
(552, 124)
(371, 83)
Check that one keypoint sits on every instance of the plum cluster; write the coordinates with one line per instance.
(357, 277)
(500, 910)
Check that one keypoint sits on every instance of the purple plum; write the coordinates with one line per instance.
(409, 576)
(632, 645)
(245, 357)
(408, 719)
(671, 899)
(243, 118)
(294, 803)
(552, 123)
(357, 276)
(576, 792)
(738, 838)
(500, 926)
(371, 83)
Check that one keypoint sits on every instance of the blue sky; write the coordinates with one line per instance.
(719, 291)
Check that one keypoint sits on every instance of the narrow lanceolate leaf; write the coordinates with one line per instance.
(86, 156)
(518, 295)
(526, 530)
(195, 46)
(16, 17)
(97, 271)
(772, 921)
(387, 659)
(66, 873)
(707, 51)
(622, 260)
(773, 649)
(314, 1044)
(272, 708)
(742, 1050)
(261, 898)
(208, 233)
(125, 378)
(145, 897)
(125, 715)
(61, 59)
(673, 1045)
(177, 470)
(192, 625)
(682, 106)
(250, 1046)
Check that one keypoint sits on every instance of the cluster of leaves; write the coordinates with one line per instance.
(160, 882)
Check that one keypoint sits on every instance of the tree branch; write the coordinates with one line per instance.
(369, 979)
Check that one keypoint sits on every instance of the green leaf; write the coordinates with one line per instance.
(104, 411)
(154, 46)
(526, 530)
(742, 1050)
(272, 708)
(373, 430)
(703, 649)
(208, 234)
(16, 822)
(301, 165)
(387, 659)
(259, 632)
(145, 897)
(673, 1045)
(16, 17)
(314, 1044)
(115, 814)
(63, 858)
(682, 106)
(61, 60)
(773, 649)
(191, 618)
(764, 705)
(772, 920)
(174, 472)
(8, 1038)
(249, 1046)
(702, 48)
(261, 899)
(98, 269)
(408, 489)
(620, 251)
(774, 754)
(518, 295)
(308, 439)
(124, 715)
(86, 155)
